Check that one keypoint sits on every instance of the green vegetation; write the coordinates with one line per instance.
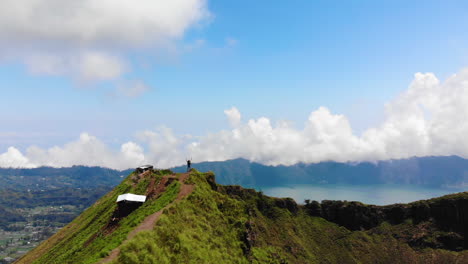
(32, 217)
(235, 225)
(230, 224)
(205, 227)
(89, 237)
(34, 201)
(14, 199)
(37, 202)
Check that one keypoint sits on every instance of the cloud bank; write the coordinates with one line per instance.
(88, 40)
(429, 118)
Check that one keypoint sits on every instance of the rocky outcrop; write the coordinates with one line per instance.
(448, 214)
(264, 203)
(436, 223)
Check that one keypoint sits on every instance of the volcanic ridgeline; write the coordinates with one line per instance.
(189, 218)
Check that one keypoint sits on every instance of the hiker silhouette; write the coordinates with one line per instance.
(189, 164)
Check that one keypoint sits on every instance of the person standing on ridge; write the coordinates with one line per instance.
(189, 164)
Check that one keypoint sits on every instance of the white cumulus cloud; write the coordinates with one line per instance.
(429, 118)
(233, 115)
(89, 39)
(87, 150)
(98, 22)
(14, 159)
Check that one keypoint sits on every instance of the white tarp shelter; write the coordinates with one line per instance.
(130, 197)
(144, 168)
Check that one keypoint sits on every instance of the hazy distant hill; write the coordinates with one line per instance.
(428, 171)
(51, 178)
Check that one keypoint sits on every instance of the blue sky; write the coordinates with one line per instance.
(281, 60)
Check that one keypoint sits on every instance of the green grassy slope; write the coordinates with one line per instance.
(226, 224)
(86, 239)
(235, 225)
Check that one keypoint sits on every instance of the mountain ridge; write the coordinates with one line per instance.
(436, 171)
(231, 224)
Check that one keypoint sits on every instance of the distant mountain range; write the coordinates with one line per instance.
(443, 171)
(44, 178)
(439, 171)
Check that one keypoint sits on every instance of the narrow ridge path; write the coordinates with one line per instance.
(152, 219)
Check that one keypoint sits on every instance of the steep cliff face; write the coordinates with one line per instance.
(188, 218)
(447, 216)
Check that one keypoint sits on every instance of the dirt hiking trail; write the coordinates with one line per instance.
(151, 220)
